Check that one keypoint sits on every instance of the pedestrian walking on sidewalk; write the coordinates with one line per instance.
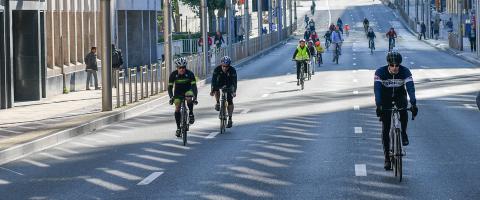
(436, 29)
(423, 30)
(431, 29)
(449, 25)
(91, 67)
(473, 40)
(117, 62)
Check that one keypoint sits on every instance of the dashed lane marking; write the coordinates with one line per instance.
(358, 130)
(356, 107)
(150, 178)
(468, 106)
(355, 80)
(265, 95)
(360, 170)
(355, 92)
(212, 135)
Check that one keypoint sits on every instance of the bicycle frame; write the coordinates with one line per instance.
(184, 125)
(223, 109)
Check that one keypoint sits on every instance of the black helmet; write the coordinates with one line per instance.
(394, 58)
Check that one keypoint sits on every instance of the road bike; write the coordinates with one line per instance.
(327, 43)
(396, 152)
(319, 59)
(223, 109)
(184, 119)
(336, 53)
(302, 72)
(371, 45)
(391, 44)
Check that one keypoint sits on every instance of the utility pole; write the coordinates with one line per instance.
(230, 27)
(260, 21)
(290, 12)
(167, 38)
(270, 17)
(204, 27)
(477, 25)
(284, 14)
(107, 56)
(460, 34)
(295, 11)
(246, 28)
(279, 13)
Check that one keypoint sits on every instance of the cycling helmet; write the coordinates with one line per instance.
(181, 62)
(394, 57)
(317, 43)
(310, 42)
(226, 60)
(301, 40)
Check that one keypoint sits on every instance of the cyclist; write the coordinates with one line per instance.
(313, 53)
(371, 37)
(337, 40)
(225, 75)
(392, 83)
(331, 28)
(320, 50)
(301, 55)
(314, 36)
(391, 35)
(346, 27)
(306, 20)
(366, 24)
(184, 82)
(340, 24)
(306, 35)
(328, 38)
(311, 25)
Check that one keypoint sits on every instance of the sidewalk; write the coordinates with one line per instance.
(442, 42)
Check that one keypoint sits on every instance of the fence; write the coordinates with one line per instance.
(150, 80)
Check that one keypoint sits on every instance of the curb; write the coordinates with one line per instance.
(40, 144)
(447, 50)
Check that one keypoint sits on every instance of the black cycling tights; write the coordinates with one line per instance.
(386, 120)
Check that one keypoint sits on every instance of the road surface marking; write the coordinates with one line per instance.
(111, 135)
(245, 111)
(360, 170)
(83, 144)
(354, 58)
(66, 150)
(265, 95)
(279, 83)
(423, 66)
(354, 64)
(212, 135)
(38, 164)
(355, 80)
(150, 178)
(354, 71)
(355, 92)
(53, 156)
(356, 107)
(468, 106)
(26, 127)
(18, 173)
(412, 63)
(358, 130)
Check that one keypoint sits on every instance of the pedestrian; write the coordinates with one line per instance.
(436, 29)
(449, 25)
(241, 32)
(218, 39)
(200, 43)
(431, 29)
(473, 39)
(423, 30)
(91, 67)
(264, 30)
(117, 63)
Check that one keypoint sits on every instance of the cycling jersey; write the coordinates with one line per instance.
(336, 37)
(301, 53)
(391, 34)
(182, 83)
(221, 78)
(371, 35)
(390, 87)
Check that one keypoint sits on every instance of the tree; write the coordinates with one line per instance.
(212, 5)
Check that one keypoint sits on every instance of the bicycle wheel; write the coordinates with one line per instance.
(222, 115)
(184, 124)
(399, 154)
(302, 77)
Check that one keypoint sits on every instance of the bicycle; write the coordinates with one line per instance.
(336, 53)
(395, 137)
(327, 43)
(371, 45)
(302, 73)
(365, 27)
(307, 71)
(312, 63)
(391, 44)
(184, 118)
(319, 59)
(223, 109)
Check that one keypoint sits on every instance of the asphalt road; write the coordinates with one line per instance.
(319, 143)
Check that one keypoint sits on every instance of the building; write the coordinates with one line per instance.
(50, 38)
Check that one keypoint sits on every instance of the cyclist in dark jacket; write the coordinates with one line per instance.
(392, 83)
(225, 75)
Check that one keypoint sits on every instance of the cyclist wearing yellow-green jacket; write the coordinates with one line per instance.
(185, 87)
(301, 55)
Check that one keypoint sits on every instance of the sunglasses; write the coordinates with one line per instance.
(394, 65)
(225, 66)
(181, 67)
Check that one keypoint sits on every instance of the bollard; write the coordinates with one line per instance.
(123, 87)
(146, 80)
(133, 73)
(153, 70)
(141, 81)
(117, 85)
(130, 93)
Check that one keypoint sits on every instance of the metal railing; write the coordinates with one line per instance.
(153, 79)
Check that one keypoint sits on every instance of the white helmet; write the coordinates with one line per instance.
(181, 62)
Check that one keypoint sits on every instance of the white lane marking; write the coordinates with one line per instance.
(105, 184)
(355, 92)
(356, 107)
(66, 150)
(15, 172)
(11, 131)
(468, 106)
(355, 80)
(83, 144)
(279, 83)
(354, 71)
(150, 178)
(26, 127)
(354, 64)
(52, 156)
(406, 57)
(360, 170)
(38, 164)
(354, 58)
(212, 135)
(412, 63)
(265, 95)
(358, 130)
(245, 111)
(424, 67)
(110, 135)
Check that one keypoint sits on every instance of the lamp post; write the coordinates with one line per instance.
(107, 55)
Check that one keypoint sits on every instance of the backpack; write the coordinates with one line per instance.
(117, 59)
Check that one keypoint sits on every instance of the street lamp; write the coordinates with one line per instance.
(107, 56)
